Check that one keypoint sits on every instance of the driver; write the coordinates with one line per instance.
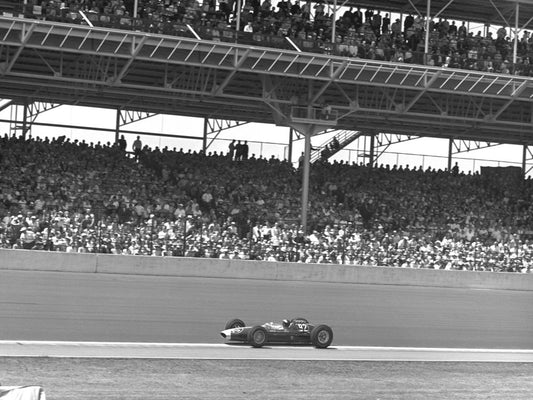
(286, 323)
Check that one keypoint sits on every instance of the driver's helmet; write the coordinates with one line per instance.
(286, 323)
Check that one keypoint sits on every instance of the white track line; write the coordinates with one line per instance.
(237, 346)
(204, 351)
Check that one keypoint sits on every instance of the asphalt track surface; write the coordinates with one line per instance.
(53, 306)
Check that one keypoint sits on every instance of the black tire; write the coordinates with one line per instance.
(321, 336)
(235, 323)
(257, 336)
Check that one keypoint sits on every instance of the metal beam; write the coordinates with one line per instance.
(217, 90)
(518, 90)
(334, 75)
(136, 49)
(25, 37)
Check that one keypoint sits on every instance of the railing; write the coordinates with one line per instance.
(334, 145)
(314, 115)
(228, 34)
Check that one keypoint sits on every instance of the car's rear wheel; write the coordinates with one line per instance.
(257, 336)
(321, 336)
(235, 323)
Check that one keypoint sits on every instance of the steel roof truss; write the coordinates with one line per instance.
(334, 75)
(414, 7)
(360, 72)
(157, 47)
(422, 92)
(406, 76)
(65, 38)
(343, 92)
(217, 90)
(6, 103)
(47, 35)
(322, 68)
(84, 40)
(206, 56)
(391, 74)
(307, 65)
(422, 77)
(274, 62)
(491, 84)
(258, 59)
(499, 12)
(54, 72)
(223, 58)
(437, 106)
(103, 41)
(131, 116)
(192, 51)
(461, 82)
(122, 42)
(291, 63)
(24, 41)
(442, 9)
(376, 74)
(465, 146)
(388, 139)
(475, 84)
(504, 86)
(135, 52)
(515, 94)
(447, 80)
(8, 31)
(174, 50)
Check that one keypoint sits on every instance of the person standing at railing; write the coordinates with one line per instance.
(137, 148)
(231, 150)
(385, 24)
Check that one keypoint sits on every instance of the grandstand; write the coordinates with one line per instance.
(144, 66)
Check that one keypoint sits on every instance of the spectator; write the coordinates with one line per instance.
(231, 150)
(122, 144)
(137, 148)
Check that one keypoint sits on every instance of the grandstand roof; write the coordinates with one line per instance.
(493, 12)
(100, 67)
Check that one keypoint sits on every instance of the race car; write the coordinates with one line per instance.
(294, 331)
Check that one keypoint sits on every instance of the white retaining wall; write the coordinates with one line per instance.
(30, 260)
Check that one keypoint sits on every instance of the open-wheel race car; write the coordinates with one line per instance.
(294, 331)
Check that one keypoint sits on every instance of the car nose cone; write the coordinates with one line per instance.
(226, 334)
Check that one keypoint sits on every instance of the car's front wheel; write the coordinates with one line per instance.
(321, 336)
(235, 323)
(257, 336)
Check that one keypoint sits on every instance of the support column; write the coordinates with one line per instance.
(333, 25)
(238, 16)
(515, 44)
(426, 46)
(524, 156)
(372, 149)
(204, 140)
(450, 149)
(305, 178)
(117, 126)
(25, 119)
(289, 156)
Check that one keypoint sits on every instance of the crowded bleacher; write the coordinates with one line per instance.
(71, 196)
(368, 34)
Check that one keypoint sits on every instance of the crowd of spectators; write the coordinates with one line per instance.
(360, 33)
(71, 196)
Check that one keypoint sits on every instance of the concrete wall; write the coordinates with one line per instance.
(203, 267)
